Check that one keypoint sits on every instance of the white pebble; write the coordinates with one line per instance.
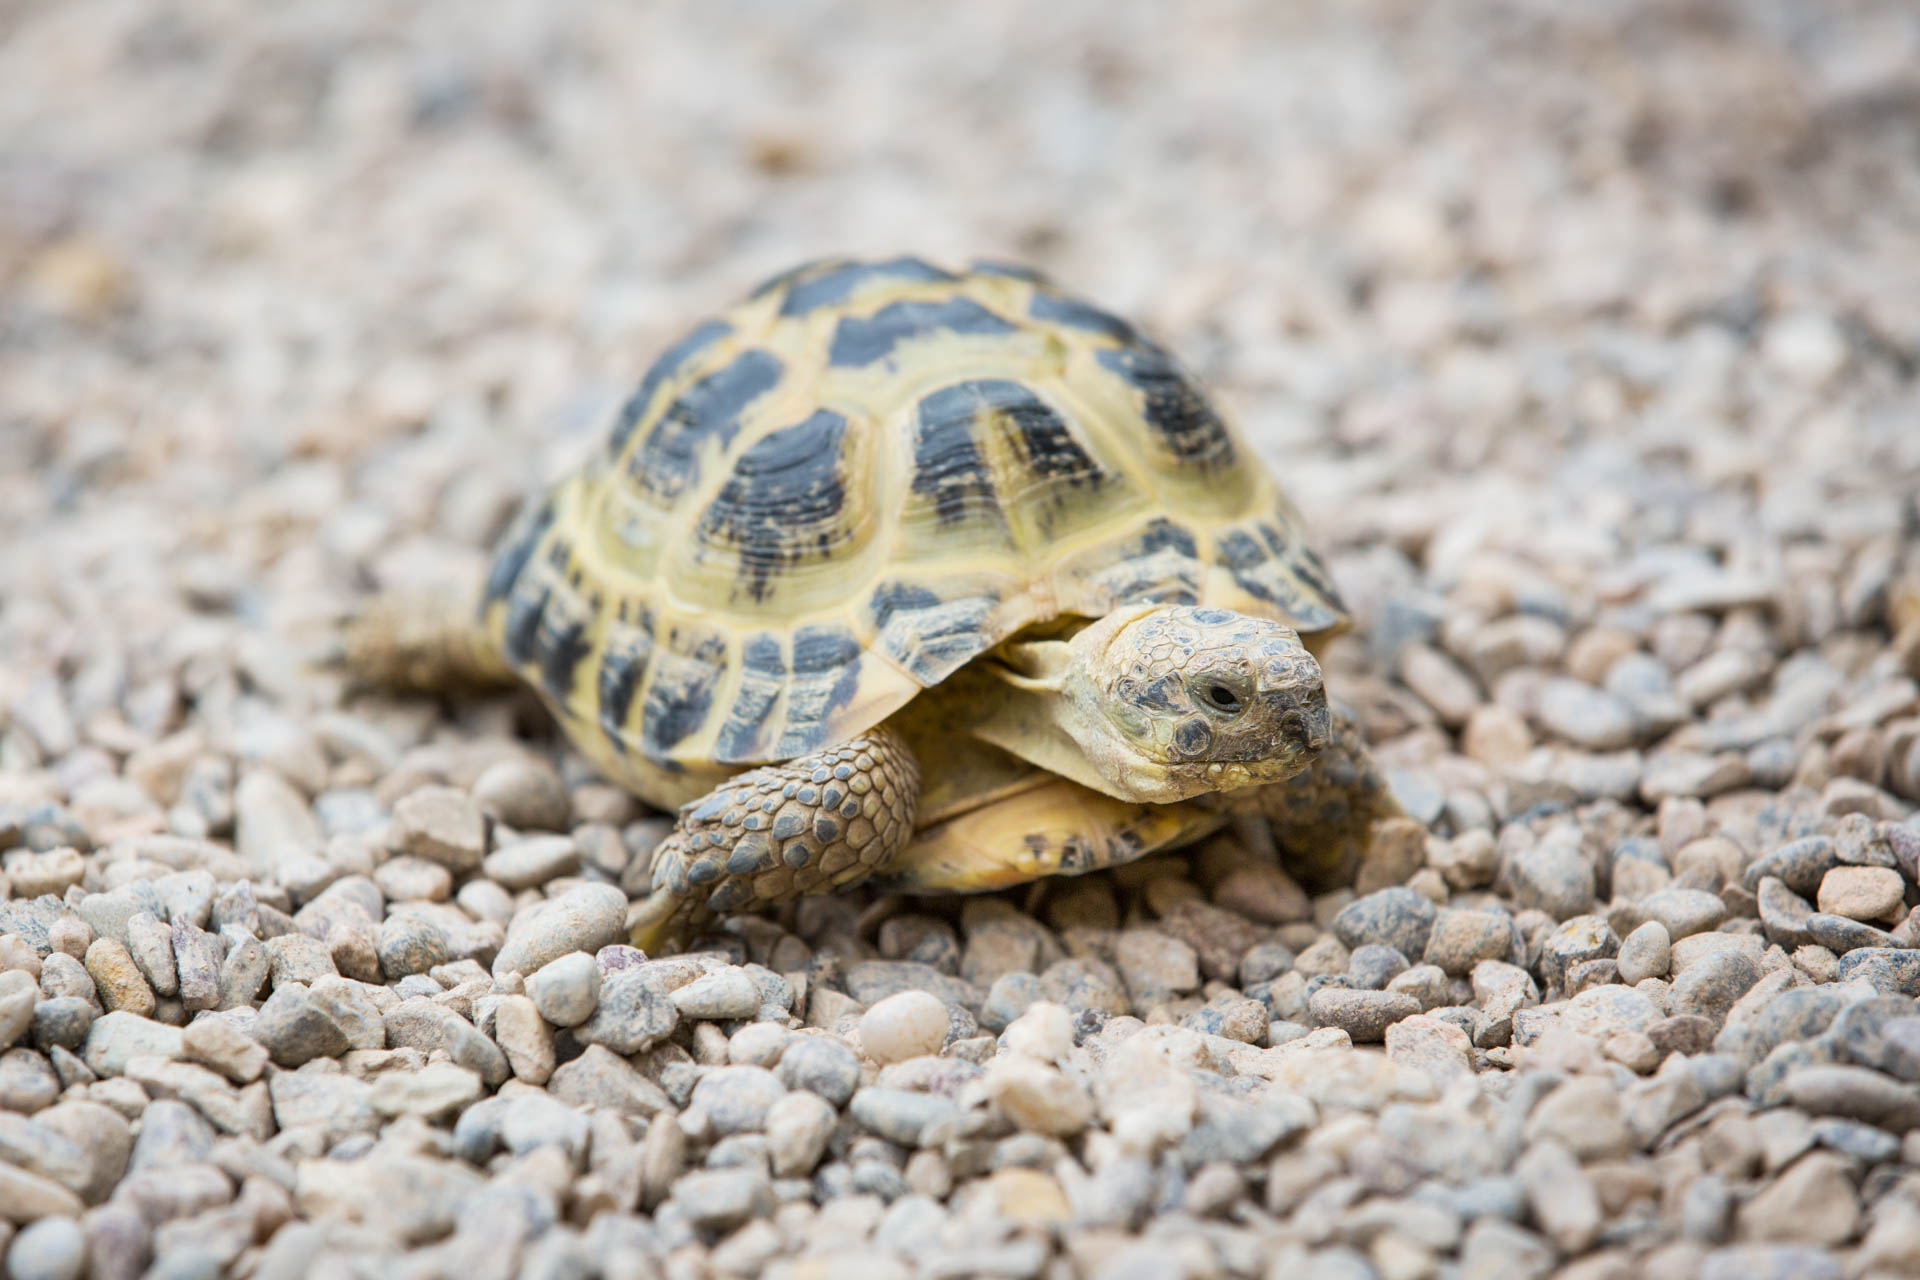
(1044, 1031)
(908, 1025)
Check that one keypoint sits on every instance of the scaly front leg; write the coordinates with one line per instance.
(767, 836)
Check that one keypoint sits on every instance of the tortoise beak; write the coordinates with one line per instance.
(1306, 722)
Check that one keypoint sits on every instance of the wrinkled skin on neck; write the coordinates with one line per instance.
(1160, 703)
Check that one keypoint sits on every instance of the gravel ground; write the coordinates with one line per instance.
(1586, 337)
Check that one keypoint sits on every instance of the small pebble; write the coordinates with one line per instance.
(904, 1026)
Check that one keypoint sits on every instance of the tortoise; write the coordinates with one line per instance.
(945, 578)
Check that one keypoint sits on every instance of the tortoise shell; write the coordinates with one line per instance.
(867, 474)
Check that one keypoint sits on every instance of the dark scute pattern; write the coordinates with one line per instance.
(1307, 567)
(931, 640)
(1165, 535)
(838, 283)
(823, 648)
(947, 465)
(1041, 435)
(1263, 570)
(681, 692)
(671, 361)
(890, 598)
(751, 706)
(763, 676)
(558, 650)
(524, 610)
(862, 340)
(1175, 406)
(1241, 553)
(623, 669)
(516, 548)
(782, 500)
(826, 674)
(1057, 308)
(668, 460)
(812, 700)
(761, 654)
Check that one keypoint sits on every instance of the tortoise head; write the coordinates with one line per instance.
(1160, 703)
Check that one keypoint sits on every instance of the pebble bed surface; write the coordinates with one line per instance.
(1587, 341)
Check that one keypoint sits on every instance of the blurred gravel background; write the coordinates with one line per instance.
(1585, 335)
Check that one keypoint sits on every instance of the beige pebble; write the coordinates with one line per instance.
(1862, 893)
(121, 985)
(1044, 1032)
(907, 1025)
(1036, 1097)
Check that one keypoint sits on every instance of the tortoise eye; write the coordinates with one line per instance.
(1221, 698)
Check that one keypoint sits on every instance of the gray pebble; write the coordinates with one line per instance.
(410, 945)
(532, 861)
(1262, 963)
(64, 1020)
(1891, 971)
(724, 994)
(798, 1125)
(1084, 983)
(1009, 997)
(1363, 1015)
(1372, 966)
(524, 794)
(1861, 1141)
(737, 1099)
(171, 1134)
(18, 995)
(1645, 953)
(116, 1038)
(244, 971)
(899, 1115)
(1771, 1262)
(1399, 917)
(50, 1249)
(1586, 716)
(586, 918)
(723, 1198)
(1709, 986)
(603, 1081)
(1461, 939)
(1684, 911)
(1801, 865)
(1784, 914)
(823, 1065)
(440, 824)
(1841, 935)
(294, 1028)
(1575, 942)
(28, 1081)
(634, 1013)
(1855, 1093)
(1799, 1014)
(566, 990)
(1552, 876)
(1886, 1039)
(151, 945)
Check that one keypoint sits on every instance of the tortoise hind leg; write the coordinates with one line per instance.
(776, 833)
(1323, 818)
(421, 642)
